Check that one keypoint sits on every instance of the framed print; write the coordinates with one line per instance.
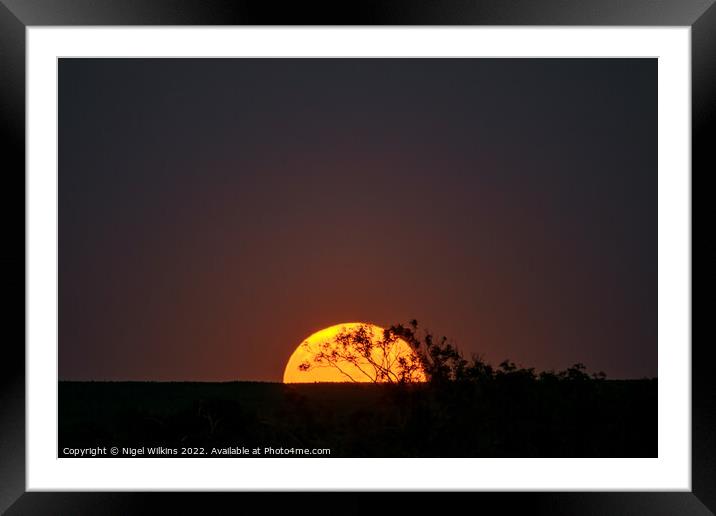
(414, 249)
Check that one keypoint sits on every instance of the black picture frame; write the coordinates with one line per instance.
(16, 15)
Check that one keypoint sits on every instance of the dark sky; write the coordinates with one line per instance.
(215, 212)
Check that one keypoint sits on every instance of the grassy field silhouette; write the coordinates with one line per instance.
(508, 416)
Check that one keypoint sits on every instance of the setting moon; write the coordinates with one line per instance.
(327, 339)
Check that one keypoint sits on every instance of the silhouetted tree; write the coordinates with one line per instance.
(377, 359)
(359, 354)
(440, 360)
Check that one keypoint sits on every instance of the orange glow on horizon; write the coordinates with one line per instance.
(305, 352)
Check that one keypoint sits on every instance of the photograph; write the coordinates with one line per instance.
(399, 247)
(357, 257)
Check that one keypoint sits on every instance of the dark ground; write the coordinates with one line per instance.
(608, 418)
